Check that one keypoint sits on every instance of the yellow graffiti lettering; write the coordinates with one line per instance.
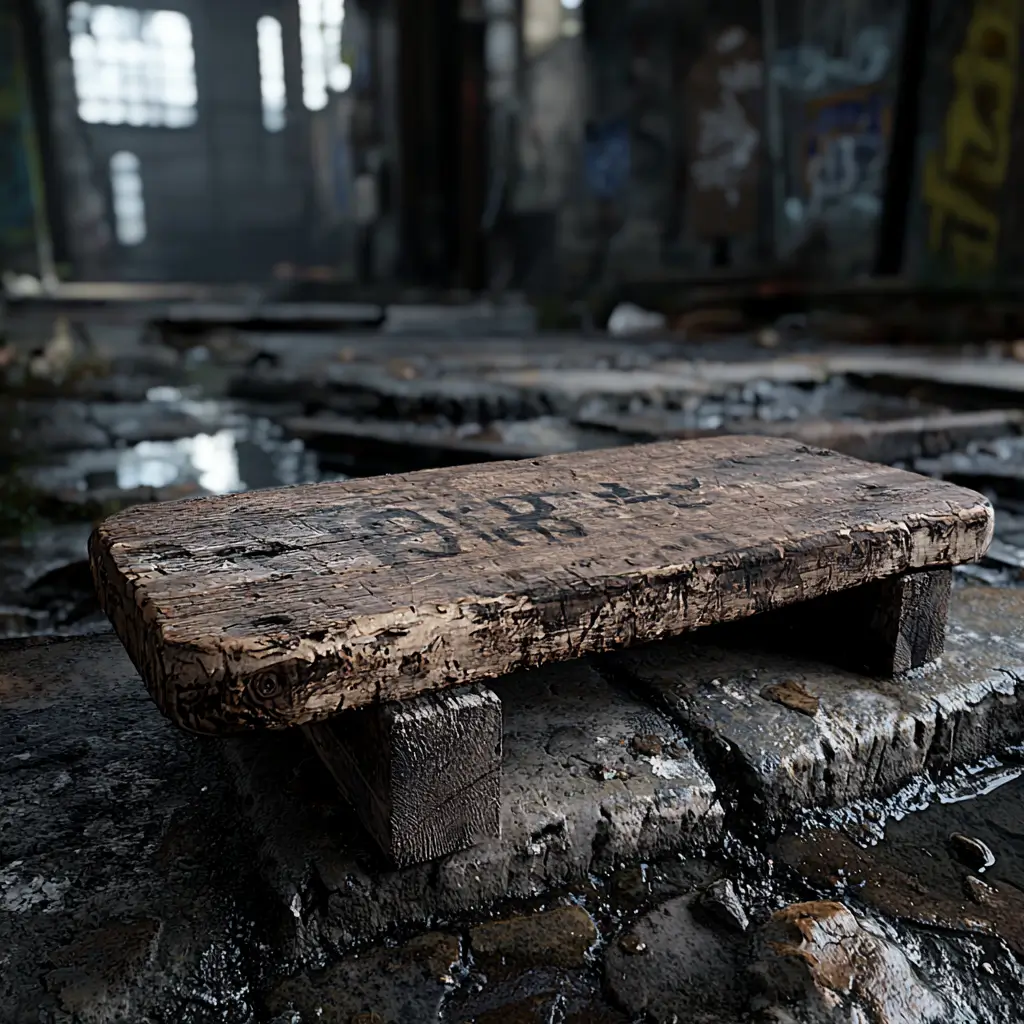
(979, 118)
(955, 212)
(961, 185)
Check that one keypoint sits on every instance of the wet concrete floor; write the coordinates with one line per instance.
(130, 885)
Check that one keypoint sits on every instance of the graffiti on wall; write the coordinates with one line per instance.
(809, 69)
(724, 92)
(964, 177)
(845, 155)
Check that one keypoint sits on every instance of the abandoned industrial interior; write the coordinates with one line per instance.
(512, 512)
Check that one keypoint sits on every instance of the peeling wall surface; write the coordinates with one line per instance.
(965, 221)
(836, 73)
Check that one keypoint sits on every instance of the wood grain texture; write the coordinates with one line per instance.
(424, 775)
(907, 624)
(281, 607)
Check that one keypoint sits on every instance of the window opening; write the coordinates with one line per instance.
(323, 70)
(129, 207)
(132, 67)
(270, 42)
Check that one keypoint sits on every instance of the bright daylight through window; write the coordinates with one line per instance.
(132, 67)
(126, 191)
(323, 70)
(272, 88)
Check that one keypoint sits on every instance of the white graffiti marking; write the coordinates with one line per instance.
(809, 69)
(727, 142)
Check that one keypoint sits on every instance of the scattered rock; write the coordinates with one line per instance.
(647, 746)
(819, 961)
(971, 852)
(556, 938)
(794, 695)
(720, 903)
(399, 985)
(632, 944)
(687, 969)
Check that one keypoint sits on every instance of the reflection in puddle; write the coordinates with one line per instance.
(209, 459)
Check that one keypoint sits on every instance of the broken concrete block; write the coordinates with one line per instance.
(577, 798)
(823, 965)
(789, 734)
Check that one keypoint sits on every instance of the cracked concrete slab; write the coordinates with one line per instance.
(592, 779)
(127, 889)
(786, 734)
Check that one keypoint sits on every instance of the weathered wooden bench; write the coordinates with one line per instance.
(385, 597)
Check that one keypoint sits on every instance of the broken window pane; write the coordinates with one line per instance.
(132, 67)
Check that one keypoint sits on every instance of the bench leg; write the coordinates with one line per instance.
(423, 775)
(904, 619)
(886, 627)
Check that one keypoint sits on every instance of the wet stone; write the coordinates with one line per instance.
(406, 984)
(972, 852)
(788, 733)
(916, 885)
(89, 970)
(577, 800)
(720, 904)
(913, 876)
(817, 962)
(670, 967)
(555, 938)
(537, 996)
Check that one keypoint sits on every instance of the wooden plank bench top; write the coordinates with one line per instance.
(281, 607)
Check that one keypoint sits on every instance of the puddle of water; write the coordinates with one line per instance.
(211, 459)
(236, 452)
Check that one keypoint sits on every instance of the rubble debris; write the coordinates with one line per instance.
(817, 961)
(720, 903)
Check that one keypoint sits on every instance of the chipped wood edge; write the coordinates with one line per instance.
(230, 685)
